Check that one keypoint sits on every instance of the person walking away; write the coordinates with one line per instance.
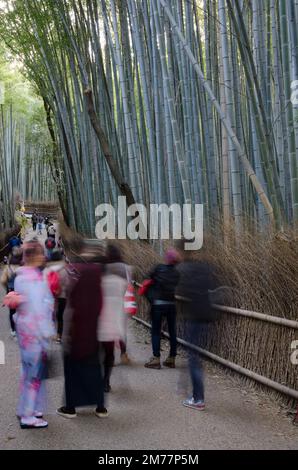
(51, 231)
(34, 220)
(115, 263)
(165, 278)
(46, 222)
(34, 326)
(39, 225)
(8, 280)
(82, 370)
(50, 245)
(193, 301)
(57, 265)
(112, 320)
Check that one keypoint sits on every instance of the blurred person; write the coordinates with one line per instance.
(82, 370)
(51, 232)
(50, 245)
(39, 224)
(113, 320)
(113, 256)
(47, 222)
(57, 265)
(8, 280)
(165, 278)
(34, 328)
(192, 295)
(34, 219)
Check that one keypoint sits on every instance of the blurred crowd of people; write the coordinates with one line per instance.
(39, 224)
(76, 298)
(77, 301)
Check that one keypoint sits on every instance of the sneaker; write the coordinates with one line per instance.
(37, 415)
(58, 340)
(101, 412)
(169, 362)
(154, 363)
(33, 423)
(107, 388)
(125, 360)
(13, 334)
(196, 405)
(67, 412)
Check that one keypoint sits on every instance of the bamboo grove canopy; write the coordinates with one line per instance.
(166, 101)
(24, 163)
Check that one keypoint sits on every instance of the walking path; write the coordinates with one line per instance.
(145, 410)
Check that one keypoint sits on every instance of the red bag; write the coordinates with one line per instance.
(130, 304)
(145, 286)
(54, 283)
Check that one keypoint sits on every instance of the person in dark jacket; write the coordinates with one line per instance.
(165, 278)
(193, 301)
(82, 371)
(34, 220)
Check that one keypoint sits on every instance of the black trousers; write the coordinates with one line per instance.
(83, 382)
(59, 315)
(108, 359)
(12, 324)
(11, 314)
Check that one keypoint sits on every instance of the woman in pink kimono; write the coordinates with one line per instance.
(34, 326)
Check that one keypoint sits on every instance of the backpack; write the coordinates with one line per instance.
(50, 244)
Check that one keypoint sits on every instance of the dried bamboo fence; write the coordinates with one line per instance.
(256, 345)
(253, 344)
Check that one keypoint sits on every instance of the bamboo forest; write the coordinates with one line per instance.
(160, 101)
(149, 171)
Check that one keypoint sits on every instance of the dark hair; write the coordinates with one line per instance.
(31, 250)
(113, 254)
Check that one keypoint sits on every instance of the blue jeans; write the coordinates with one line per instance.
(196, 333)
(157, 314)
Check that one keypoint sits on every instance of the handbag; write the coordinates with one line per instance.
(51, 366)
(54, 283)
(130, 303)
